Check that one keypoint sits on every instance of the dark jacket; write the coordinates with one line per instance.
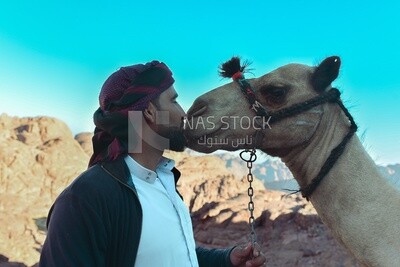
(97, 221)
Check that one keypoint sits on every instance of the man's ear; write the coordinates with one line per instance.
(149, 113)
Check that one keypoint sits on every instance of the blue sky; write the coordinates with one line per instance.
(55, 55)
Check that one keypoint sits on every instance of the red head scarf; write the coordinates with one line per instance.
(130, 88)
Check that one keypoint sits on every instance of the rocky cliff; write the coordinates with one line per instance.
(38, 158)
(392, 173)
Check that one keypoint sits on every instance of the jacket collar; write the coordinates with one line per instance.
(119, 170)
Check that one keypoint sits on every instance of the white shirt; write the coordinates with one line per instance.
(167, 234)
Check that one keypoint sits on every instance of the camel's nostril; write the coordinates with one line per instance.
(198, 108)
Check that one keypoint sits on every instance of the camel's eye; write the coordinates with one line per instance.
(275, 94)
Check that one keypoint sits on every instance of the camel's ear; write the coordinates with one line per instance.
(325, 73)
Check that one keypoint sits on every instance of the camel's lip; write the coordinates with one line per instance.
(196, 138)
(193, 138)
(196, 134)
(194, 143)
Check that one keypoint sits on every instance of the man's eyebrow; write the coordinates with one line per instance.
(174, 96)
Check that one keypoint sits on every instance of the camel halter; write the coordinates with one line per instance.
(233, 69)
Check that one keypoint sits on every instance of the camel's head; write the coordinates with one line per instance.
(222, 118)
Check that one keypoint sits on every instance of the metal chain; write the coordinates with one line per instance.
(249, 156)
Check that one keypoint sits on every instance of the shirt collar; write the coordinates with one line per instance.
(137, 170)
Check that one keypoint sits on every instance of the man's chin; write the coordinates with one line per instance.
(177, 141)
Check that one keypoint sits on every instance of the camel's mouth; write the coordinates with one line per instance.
(198, 139)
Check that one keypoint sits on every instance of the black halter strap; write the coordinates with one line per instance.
(331, 96)
(248, 91)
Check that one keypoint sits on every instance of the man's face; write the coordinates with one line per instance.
(170, 124)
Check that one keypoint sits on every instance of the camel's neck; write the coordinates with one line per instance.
(353, 200)
(306, 161)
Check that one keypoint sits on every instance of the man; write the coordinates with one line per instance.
(125, 210)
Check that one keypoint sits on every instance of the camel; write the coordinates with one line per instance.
(354, 201)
